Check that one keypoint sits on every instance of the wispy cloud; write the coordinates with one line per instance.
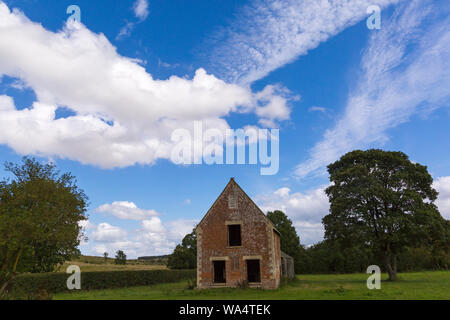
(141, 11)
(271, 33)
(125, 31)
(315, 108)
(405, 71)
(140, 8)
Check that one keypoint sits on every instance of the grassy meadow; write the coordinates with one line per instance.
(416, 285)
(92, 263)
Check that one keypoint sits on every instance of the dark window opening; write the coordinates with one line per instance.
(253, 271)
(219, 272)
(234, 235)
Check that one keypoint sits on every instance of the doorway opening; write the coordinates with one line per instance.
(219, 272)
(253, 271)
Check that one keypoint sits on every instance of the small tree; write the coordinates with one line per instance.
(105, 255)
(121, 257)
(185, 254)
(381, 200)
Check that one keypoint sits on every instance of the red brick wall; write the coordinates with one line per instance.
(258, 240)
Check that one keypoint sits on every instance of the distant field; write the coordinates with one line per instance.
(418, 285)
(92, 263)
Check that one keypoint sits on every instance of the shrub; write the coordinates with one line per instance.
(191, 284)
(242, 284)
(29, 286)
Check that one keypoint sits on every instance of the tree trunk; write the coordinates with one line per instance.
(390, 260)
(394, 266)
(8, 278)
(19, 254)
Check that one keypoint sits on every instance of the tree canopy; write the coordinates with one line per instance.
(40, 211)
(289, 240)
(185, 254)
(121, 257)
(380, 199)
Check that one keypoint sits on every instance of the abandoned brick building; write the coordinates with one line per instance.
(237, 243)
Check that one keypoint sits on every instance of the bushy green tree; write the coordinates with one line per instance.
(185, 254)
(381, 200)
(121, 257)
(331, 257)
(40, 211)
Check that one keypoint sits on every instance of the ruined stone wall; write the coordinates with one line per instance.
(277, 258)
(258, 241)
(287, 266)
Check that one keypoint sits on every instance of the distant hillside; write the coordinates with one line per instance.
(101, 260)
(95, 263)
(153, 258)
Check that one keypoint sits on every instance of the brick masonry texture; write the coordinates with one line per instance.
(259, 241)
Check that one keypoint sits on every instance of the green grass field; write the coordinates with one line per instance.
(417, 285)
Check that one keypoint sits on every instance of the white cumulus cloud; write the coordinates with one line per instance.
(122, 115)
(108, 233)
(126, 210)
(305, 209)
(442, 185)
(153, 225)
(152, 236)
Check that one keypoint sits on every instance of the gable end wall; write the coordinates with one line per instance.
(258, 241)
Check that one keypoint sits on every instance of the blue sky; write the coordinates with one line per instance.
(101, 99)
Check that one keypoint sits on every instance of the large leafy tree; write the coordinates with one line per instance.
(382, 200)
(185, 254)
(40, 211)
(289, 240)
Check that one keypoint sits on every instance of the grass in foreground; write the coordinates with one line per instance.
(417, 285)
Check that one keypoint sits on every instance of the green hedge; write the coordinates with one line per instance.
(30, 284)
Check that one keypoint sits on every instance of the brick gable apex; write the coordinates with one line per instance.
(233, 184)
